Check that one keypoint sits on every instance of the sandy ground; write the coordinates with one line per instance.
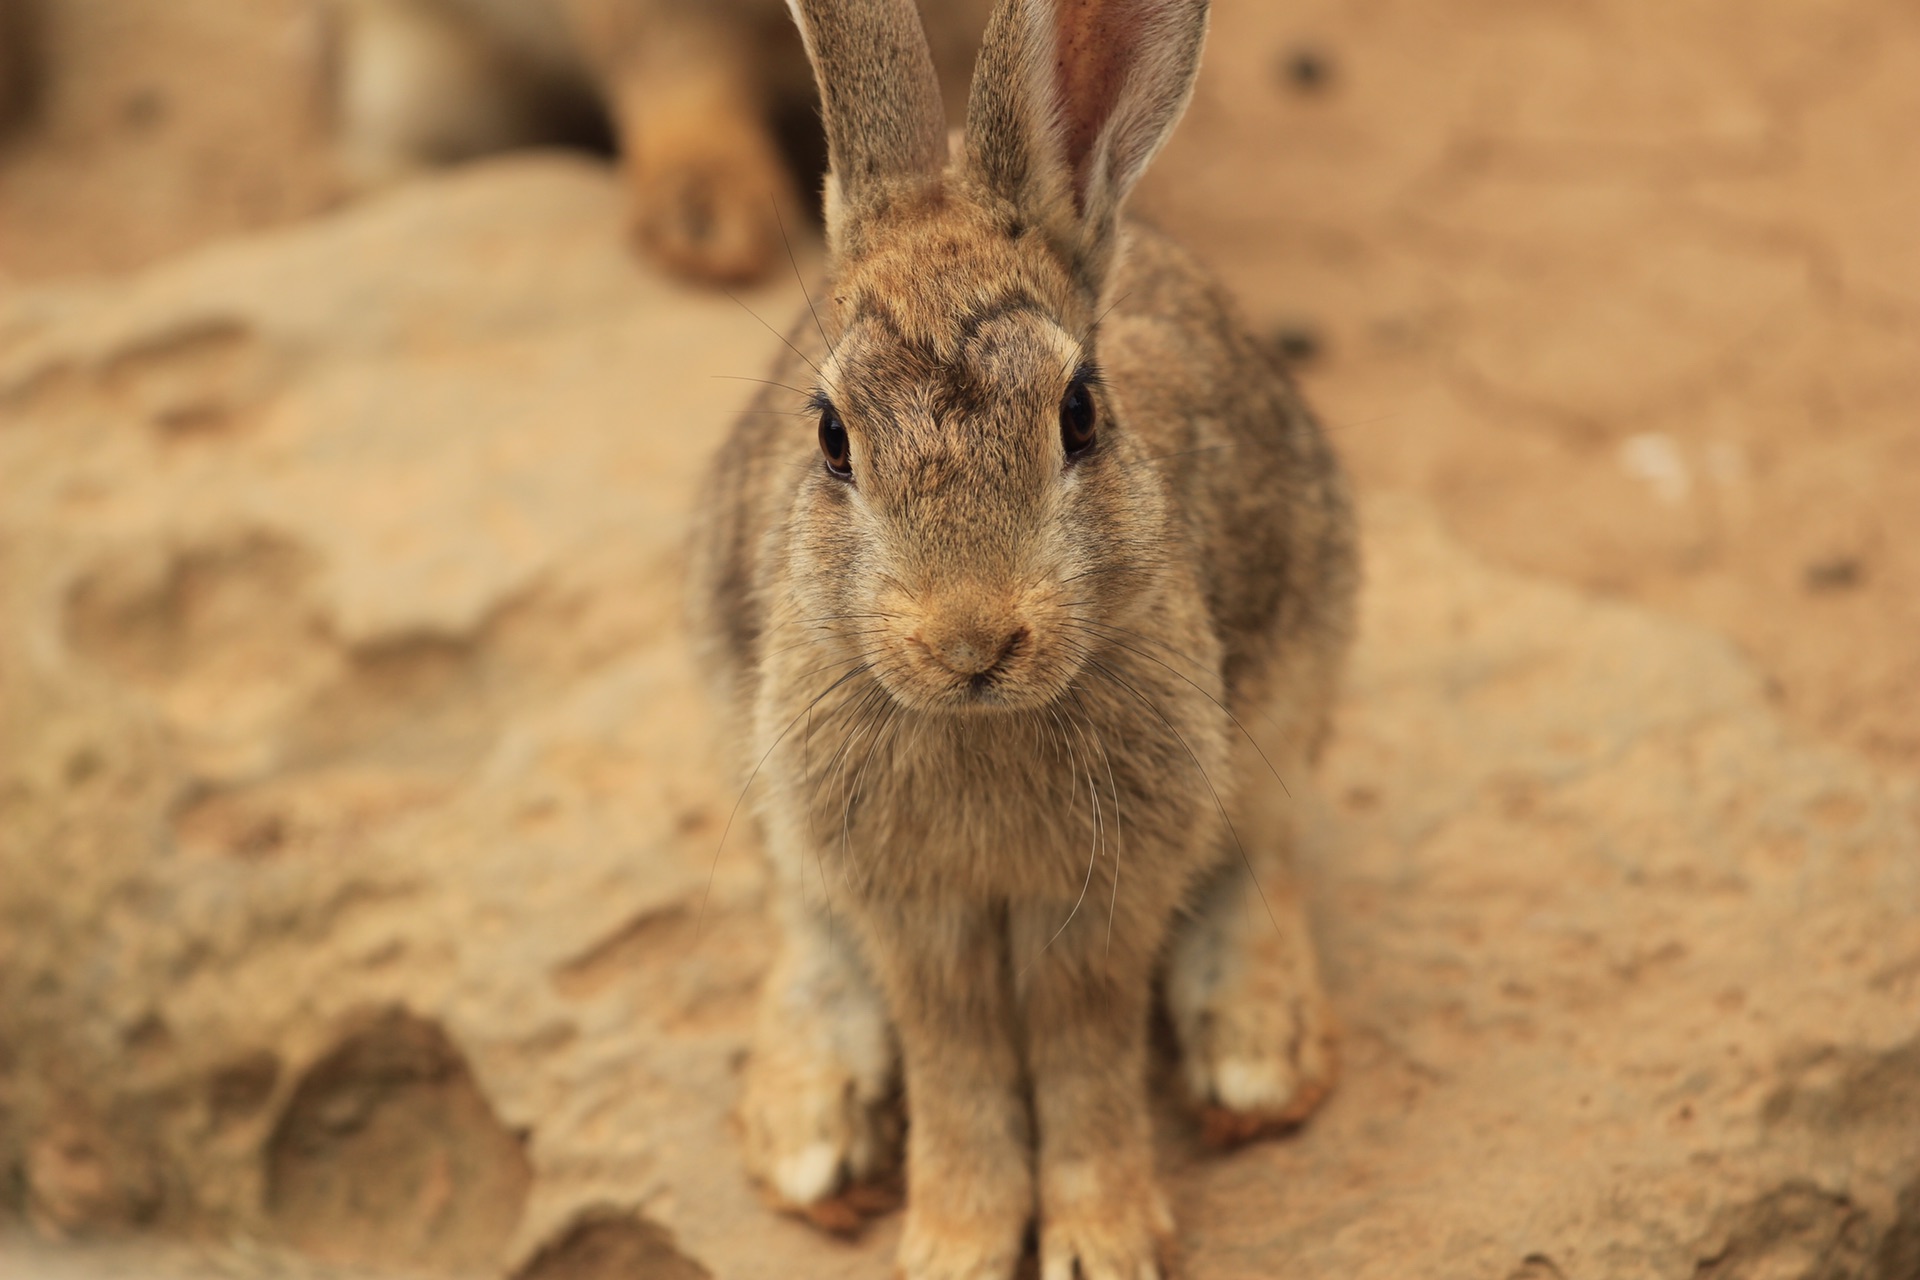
(1614, 310)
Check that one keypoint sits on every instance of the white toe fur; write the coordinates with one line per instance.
(1252, 1084)
(809, 1174)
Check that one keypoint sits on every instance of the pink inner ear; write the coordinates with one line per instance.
(1095, 43)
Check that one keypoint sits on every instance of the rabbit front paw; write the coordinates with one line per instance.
(822, 1136)
(1107, 1239)
(1258, 1041)
(971, 1235)
(1255, 1063)
(820, 1139)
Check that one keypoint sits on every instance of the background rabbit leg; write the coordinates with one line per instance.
(691, 92)
(1256, 1033)
(818, 1110)
(19, 65)
(969, 1176)
(1085, 992)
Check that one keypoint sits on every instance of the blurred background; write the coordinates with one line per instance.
(357, 360)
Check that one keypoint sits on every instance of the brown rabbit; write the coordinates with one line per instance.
(695, 89)
(992, 604)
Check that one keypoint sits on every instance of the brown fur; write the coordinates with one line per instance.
(694, 89)
(996, 697)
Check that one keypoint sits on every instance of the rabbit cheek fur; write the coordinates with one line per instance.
(982, 678)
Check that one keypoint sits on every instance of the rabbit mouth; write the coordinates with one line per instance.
(980, 694)
(1004, 671)
(991, 689)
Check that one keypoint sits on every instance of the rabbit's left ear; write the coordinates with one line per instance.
(878, 94)
(1071, 99)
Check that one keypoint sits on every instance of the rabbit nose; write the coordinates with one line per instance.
(973, 649)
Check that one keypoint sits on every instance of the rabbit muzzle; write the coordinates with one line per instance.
(974, 652)
(969, 653)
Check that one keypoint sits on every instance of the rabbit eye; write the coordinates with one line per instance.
(833, 444)
(1078, 418)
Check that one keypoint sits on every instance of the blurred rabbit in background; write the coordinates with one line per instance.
(16, 69)
(711, 104)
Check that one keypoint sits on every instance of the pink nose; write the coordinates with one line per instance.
(974, 650)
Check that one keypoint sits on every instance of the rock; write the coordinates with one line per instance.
(358, 803)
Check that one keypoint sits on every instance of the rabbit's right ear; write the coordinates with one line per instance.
(1070, 100)
(879, 97)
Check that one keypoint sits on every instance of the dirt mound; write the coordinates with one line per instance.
(387, 1153)
(607, 1246)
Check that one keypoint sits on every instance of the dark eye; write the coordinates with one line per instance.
(833, 444)
(1077, 418)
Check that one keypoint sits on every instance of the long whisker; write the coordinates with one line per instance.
(838, 617)
(860, 714)
(776, 333)
(795, 264)
(1091, 629)
(1185, 657)
(1114, 789)
(1093, 854)
(889, 720)
(765, 382)
(1080, 343)
(865, 656)
(819, 859)
(1142, 567)
(701, 918)
(856, 711)
(1202, 770)
(828, 638)
(863, 718)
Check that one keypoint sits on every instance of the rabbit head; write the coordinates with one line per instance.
(978, 507)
